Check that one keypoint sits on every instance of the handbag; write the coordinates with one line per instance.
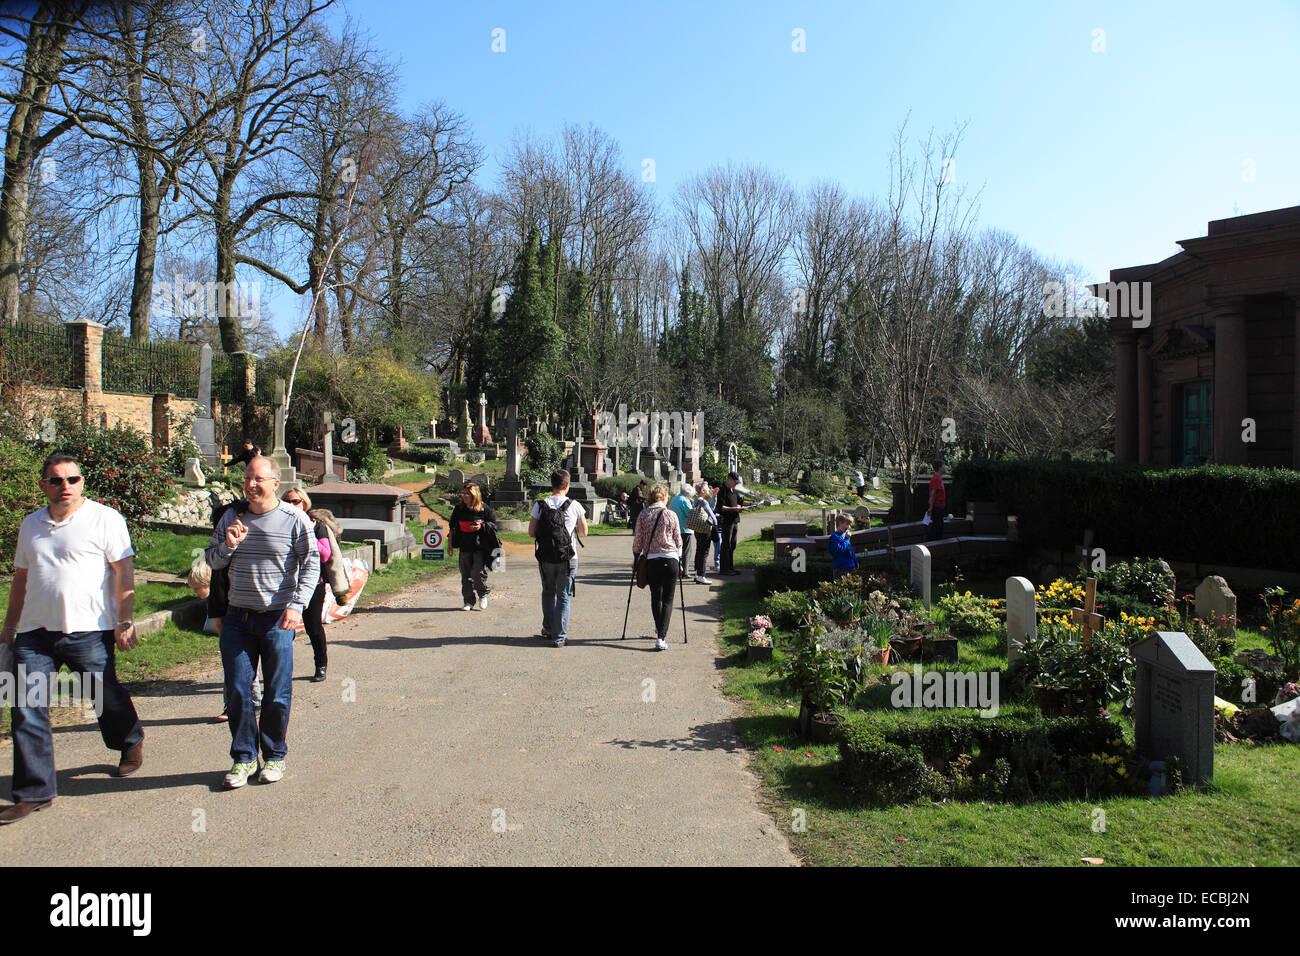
(641, 580)
(697, 520)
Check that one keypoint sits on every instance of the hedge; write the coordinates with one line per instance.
(1004, 758)
(1217, 514)
(609, 486)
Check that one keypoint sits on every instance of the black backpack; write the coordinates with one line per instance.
(554, 545)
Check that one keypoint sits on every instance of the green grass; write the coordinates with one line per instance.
(150, 596)
(168, 550)
(1246, 817)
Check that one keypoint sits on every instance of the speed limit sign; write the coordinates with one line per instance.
(433, 538)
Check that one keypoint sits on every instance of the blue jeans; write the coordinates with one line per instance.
(717, 547)
(41, 652)
(557, 593)
(246, 638)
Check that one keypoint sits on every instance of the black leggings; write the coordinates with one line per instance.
(661, 577)
(313, 621)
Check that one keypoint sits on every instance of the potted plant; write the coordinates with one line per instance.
(760, 638)
(844, 608)
(818, 672)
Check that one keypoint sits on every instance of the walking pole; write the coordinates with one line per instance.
(682, 592)
(629, 604)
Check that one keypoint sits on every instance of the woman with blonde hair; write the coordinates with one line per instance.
(313, 616)
(658, 542)
(470, 533)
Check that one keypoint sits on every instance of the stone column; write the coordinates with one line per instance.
(1126, 397)
(1294, 298)
(1144, 402)
(1229, 382)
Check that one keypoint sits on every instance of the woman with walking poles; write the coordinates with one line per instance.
(658, 542)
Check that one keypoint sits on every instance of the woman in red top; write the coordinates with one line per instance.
(467, 528)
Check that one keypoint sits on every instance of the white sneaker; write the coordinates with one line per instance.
(701, 579)
(482, 602)
(468, 607)
(239, 775)
(272, 771)
(661, 644)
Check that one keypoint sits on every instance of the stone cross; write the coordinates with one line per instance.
(329, 447)
(1022, 615)
(482, 409)
(433, 428)
(512, 441)
(1087, 617)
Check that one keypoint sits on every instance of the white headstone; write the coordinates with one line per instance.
(193, 475)
(1022, 615)
(875, 482)
(921, 571)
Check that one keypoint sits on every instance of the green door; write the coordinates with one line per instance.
(1196, 423)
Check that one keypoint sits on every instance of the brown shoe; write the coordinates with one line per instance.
(131, 760)
(20, 810)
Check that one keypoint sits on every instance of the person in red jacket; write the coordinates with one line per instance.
(938, 503)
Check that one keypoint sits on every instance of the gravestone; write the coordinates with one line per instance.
(511, 488)
(1173, 714)
(203, 428)
(193, 475)
(328, 446)
(280, 454)
(758, 476)
(1215, 601)
(922, 568)
(733, 459)
(455, 479)
(1022, 615)
(462, 426)
(482, 435)
(875, 482)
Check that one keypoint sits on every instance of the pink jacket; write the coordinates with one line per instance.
(666, 540)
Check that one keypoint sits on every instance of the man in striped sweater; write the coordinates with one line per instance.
(273, 568)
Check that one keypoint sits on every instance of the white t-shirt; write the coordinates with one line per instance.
(69, 581)
(554, 501)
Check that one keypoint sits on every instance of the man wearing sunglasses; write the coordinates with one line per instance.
(70, 603)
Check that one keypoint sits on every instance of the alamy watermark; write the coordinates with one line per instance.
(648, 429)
(206, 299)
(1072, 299)
(83, 690)
(945, 689)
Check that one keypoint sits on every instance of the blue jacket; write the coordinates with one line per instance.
(840, 546)
(681, 506)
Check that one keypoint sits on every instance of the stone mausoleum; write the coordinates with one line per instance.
(1219, 345)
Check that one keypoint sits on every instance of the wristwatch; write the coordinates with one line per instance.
(126, 623)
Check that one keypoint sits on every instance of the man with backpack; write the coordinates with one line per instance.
(555, 522)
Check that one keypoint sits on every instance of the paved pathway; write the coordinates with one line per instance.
(468, 742)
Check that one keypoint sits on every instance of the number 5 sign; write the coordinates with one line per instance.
(432, 550)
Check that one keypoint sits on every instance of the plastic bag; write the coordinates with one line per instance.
(1289, 715)
(926, 520)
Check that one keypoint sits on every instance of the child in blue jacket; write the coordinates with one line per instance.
(840, 547)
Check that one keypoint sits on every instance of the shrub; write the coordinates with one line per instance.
(788, 608)
(968, 615)
(429, 456)
(612, 486)
(770, 578)
(1150, 581)
(368, 460)
(1144, 511)
(817, 483)
(20, 469)
(544, 456)
(473, 457)
(714, 472)
(120, 466)
(1005, 758)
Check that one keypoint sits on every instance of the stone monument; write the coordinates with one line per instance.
(203, 428)
(922, 574)
(511, 489)
(481, 434)
(1173, 704)
(279, 454)
(1022, 615)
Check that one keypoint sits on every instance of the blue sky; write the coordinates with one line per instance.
(1103, 159)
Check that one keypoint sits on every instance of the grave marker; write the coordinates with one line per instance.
(922, 571)
(1022, 615)
(1173, 699)
(1215, 601)
(1087, 617)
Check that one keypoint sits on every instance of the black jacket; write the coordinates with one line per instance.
(483, 539)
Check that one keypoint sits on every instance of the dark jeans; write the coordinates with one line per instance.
(661, 578)
(701, 554)
(730, 528)
(84, 652)
(687, 540)
(473, 575)
(246, 638)
(313, 619)
(935, 531)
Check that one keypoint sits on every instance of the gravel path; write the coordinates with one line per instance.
(466, 741)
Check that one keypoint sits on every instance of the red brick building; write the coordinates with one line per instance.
(1219, 343)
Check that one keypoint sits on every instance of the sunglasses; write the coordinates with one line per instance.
(293, 501)
(60, 482)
